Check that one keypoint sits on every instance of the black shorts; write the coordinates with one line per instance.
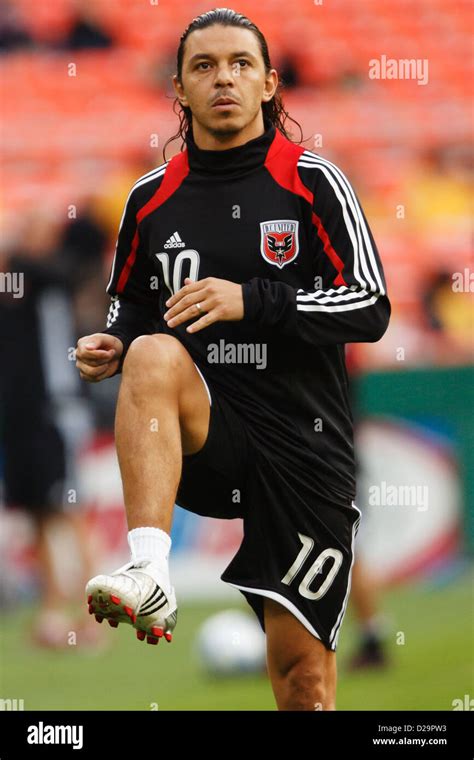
(298, 548)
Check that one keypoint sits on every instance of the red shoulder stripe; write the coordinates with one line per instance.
(174, 175)
(281, 162)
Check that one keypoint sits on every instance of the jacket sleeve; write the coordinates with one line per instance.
(349, 303)
(132, 285)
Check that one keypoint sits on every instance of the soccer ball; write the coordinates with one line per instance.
(231, 643)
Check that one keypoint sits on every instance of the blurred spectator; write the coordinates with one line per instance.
(82, 246)
(45, 419)
(13, 33)
(87, 30)
(448, 309)
(288, 72)
(370, 651)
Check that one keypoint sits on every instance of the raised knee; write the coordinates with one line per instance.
(151, 358)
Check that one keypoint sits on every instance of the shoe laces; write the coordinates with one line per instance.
(125, 570)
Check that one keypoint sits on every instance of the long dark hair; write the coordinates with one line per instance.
(273, 110)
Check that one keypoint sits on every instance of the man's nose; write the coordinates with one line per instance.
(224, 75)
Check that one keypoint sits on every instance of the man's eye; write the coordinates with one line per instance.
(242, 60)
(204, 63)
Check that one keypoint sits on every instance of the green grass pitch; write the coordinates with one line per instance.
(432, 668)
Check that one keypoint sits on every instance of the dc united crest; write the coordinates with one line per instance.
(279, 241)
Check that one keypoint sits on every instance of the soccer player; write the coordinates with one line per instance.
(243, 266)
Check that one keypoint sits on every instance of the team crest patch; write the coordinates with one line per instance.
(279, 241)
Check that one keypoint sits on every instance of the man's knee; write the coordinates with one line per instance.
(303, 675)
(154, 358)
(306, 686)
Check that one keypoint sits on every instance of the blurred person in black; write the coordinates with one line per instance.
(87, 30)
(13, 32)
(44, 416)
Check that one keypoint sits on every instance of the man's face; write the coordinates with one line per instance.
(224, 62)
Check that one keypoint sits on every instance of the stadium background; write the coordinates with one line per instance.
(87, 102)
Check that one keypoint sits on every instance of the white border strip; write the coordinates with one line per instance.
(337, 626)
(283, 601)
(204, 381)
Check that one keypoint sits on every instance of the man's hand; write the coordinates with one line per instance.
(220, 301)
(98, 356)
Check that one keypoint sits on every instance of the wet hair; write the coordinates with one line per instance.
(273, 110)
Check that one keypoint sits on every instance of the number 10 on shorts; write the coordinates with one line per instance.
(314, 570)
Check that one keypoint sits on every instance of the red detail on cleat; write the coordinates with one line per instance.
(91, 609)
(168, 636)
(141, 635)
(157, 631)
(115, 599)
(113, 623)
(99, 618)
(151, 640)
(89, 599)
(128, 611)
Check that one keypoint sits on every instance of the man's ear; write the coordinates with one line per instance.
(271, 84)
(178, 88)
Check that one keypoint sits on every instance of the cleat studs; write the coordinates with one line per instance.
(157, 631)
(99, 618)
(128, 611)
(141, 635)
(133, 618)
(151, 640)
(113, 623)
(168, 636)
(114, 599)
(91, 609)
(89, 599)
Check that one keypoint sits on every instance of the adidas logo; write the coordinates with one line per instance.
(174, 241)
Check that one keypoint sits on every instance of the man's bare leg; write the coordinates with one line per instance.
(365, 592)
(162, 412)
(302, 671)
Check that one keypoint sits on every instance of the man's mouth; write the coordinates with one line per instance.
(223, 103)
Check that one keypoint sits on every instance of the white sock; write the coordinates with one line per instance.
(150, 544)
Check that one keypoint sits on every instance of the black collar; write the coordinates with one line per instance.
(233, 161)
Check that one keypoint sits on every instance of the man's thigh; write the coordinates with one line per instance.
(162, 358)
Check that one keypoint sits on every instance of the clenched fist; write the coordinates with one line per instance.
(98, 356)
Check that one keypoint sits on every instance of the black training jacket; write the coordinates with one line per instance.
(287, 225)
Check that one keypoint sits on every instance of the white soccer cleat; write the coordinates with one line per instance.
(139, 594)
